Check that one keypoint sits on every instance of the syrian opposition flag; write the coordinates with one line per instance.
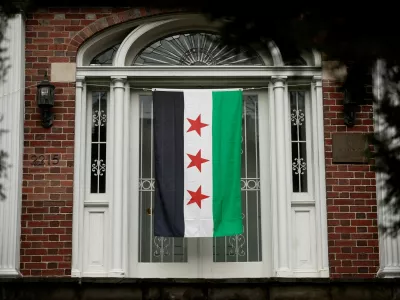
(197, 145)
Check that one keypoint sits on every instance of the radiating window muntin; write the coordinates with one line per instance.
(106, 57)
(195, 49)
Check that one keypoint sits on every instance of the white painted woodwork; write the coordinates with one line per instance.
(80, 160)
(294, 227)
(389, 256)
(11, 141)
(304, 240)
(117, 268)
(281, 176)
(126, 173)
(319, 186)
(95, 241)
(233, 73)
(389, 246)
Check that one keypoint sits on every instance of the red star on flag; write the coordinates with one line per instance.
(197, 197)
(196, 125)
(197, 160)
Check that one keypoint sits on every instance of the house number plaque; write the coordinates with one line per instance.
(349, 148)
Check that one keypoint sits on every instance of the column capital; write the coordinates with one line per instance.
(118, 81)
(79, 81)
(278, 81)
(317, 81)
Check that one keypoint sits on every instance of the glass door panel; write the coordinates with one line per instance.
(152, 249)
(246, 247)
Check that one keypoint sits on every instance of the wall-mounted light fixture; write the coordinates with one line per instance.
(349, 108)
(354, 91)
(45, 101)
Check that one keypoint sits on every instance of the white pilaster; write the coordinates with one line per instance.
(317, 112)
(280, 173)
(126, 175)
(79, 176)
(389, 256)
(117, 203)
(389, 247)
(11, 141)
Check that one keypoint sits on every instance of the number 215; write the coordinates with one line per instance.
(39, 160)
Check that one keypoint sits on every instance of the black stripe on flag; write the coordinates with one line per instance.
(168, 114)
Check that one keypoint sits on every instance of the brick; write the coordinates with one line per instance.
(340, 188)
(345, 229)
(362, 249)
(35, 266)
(361, 222)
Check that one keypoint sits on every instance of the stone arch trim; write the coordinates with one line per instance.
(114, 19)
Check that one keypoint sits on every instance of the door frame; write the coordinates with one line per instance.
(200, 254)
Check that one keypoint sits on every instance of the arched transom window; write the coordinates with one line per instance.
(195, 49)
(284, 230)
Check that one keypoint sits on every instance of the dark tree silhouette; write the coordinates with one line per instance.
(387, 142)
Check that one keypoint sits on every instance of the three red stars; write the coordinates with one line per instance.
(196, 125)
(197, 197)
(197, 160)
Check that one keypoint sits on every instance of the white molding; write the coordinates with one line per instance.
(136, 35)
(126, 183)
(265, 142)
(318, 139)
(96, 204)
(103, 40)
(133, 223)
(79, 177)
(199, 71)
(389, 247)
(275, 54)
(12, 111)
(279, 171)
(12, 272)
(303, 203)
(117, 204)
(389, 272)
(317, 58)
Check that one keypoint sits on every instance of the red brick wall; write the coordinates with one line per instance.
(351, 197)
(54, 35)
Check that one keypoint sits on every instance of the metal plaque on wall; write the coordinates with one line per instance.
(349, 148)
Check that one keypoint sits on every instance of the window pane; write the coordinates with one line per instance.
(194, 49)
(152, 249)
(299, 146)
(106, 57)
(246, 247)
(98, 143)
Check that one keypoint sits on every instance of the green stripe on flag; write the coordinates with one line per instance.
(226, 162)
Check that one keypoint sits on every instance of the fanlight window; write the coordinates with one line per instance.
(106, 57)
(196, 48)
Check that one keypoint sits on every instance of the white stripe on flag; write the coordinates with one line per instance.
(198, 221)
